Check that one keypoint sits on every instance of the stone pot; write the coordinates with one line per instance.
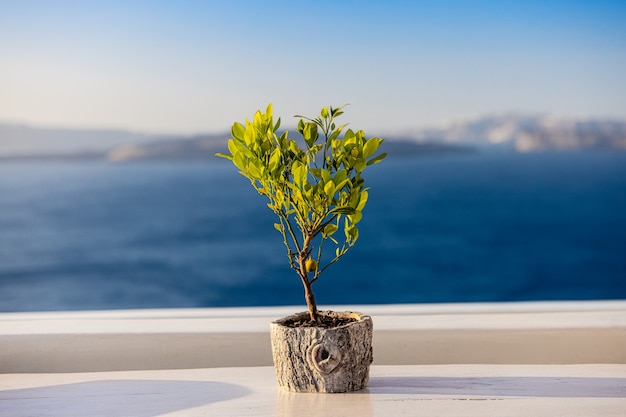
(315, 359)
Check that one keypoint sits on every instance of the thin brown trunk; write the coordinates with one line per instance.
(304, 276)
(310, 302)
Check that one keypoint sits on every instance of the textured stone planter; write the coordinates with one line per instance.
(314, 359)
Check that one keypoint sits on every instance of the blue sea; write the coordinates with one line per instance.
(455, 228)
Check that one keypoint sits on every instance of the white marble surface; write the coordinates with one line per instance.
(412, 390)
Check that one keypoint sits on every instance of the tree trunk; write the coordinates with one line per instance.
(315, 359)
(310, 301)
(304, 276)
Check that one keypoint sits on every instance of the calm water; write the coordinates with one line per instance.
(439, 229)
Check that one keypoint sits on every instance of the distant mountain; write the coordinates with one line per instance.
(504, 132)
(205, 147)
(29, 143)
(531, 133)
(21, 140)
(200, 147)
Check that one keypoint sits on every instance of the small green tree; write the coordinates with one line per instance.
(314, 189)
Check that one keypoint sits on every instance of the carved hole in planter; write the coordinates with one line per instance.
(325, 357)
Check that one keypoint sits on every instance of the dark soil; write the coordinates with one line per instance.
(326, 322)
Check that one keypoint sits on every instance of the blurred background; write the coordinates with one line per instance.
(505, 126)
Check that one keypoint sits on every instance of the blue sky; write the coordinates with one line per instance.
(197, 66)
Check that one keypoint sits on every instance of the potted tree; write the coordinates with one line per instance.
(316, 188)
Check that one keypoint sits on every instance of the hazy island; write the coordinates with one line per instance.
(512, 133)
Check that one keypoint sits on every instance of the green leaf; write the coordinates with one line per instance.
(284, 139)
(329, 230)
(340, 177)
(348, 230)
(355, 197)
(258, 118)
(237, 131)
(232, 147)
(239, 161)
(317, 172)
(299, 173)
(274, 164)
(356, 217)
(354, 234)
(362, 201)
(293, 188)
(254, 171)
(249, 135)
(329, 189)
(377, 159)
(370, 147)
(351, 232)
(342, 184)
(326, 176)
(343, 210)
(241, 147)
(336, 132)
(310, 134)
(223, 155)
(293, 147)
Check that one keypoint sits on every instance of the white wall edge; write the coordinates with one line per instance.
(515, 333)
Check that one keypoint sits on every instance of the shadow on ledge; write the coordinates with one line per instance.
(137, 398)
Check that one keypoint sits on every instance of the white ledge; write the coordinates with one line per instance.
(489, 333)
(414, 390)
